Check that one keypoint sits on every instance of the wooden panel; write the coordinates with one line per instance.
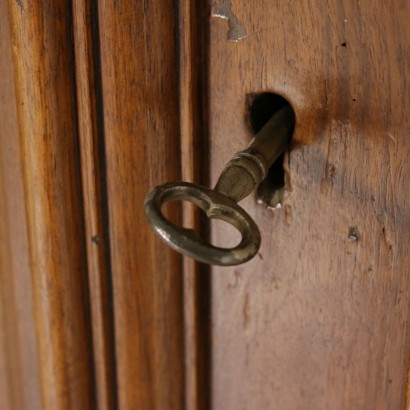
(19, 372)
(45, 100)
(320, 319)
(86, 46)
(140, 112)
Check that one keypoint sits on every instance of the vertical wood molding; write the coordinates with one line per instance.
(19, 370)
(140, 110)
(90, 126)
(45, 99)
(407, 384)
(187, 114)
(193, 133)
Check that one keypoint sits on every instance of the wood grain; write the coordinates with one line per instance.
(188, 110)
(19, 369)
(86, 46)
(43, 69)
(318, 320)
(139, 75)
(193, 133)
(19, 380)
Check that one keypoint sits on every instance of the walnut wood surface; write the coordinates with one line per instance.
(19, 369)
(102, 101)
(193, 137)
(140, 112)
(86, 47)
(318, 320)
(107, 75)
(43, 75)
(188, 111)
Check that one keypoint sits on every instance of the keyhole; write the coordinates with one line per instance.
(261, 108)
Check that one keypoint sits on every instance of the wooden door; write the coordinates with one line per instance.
(320, 318)
(100, 102)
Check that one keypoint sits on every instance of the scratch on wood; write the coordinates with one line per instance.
(245, 311)
(21, 5)
(391, 136)
(238, 278)
(223, 10)
(288, 214)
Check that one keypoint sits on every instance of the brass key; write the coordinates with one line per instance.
(243, 173)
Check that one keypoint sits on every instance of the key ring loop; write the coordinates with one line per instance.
(242, 174)
(215, 205)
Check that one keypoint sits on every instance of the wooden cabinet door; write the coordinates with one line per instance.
(101, 101)
(320, 318)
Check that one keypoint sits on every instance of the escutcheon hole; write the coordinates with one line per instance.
(261, 108)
